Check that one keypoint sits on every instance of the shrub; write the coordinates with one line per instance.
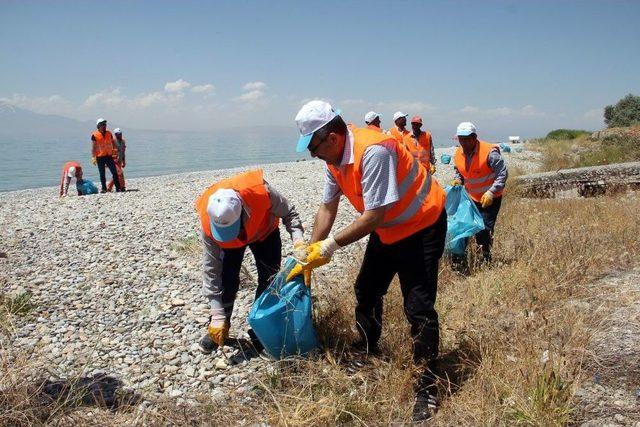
(566, 134)
(625, 113)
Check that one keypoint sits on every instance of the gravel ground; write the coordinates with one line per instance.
(115, 291)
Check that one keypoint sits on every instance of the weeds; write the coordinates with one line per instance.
(512, 337)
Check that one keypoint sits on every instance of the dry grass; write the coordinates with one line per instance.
(513, 337)
(614, 146)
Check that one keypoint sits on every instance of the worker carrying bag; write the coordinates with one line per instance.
(282, 318)
(463, 219)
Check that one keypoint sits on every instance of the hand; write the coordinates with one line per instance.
(487, 199)
(218, 327)
(432, 169)
(94, 161)
(455, 182)
(123, 165)
(318, 254)
(300, 253)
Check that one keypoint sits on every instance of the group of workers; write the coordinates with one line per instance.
(107, 151)
(388, 178)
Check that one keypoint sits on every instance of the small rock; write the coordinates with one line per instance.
(221, 364)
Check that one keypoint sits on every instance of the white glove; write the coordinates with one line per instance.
(328, 246)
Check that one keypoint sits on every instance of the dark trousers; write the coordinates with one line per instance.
(415, 259)
(485, 237)
(108, 162)
(267, 254)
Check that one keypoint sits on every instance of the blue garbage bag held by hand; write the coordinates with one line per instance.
(282, 316)
(463, 219)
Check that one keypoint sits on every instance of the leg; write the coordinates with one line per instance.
(230, 277)
(268, 255)
(114, 174)
(485, 237)
(419, 257)
(373, 281)
(103, 178)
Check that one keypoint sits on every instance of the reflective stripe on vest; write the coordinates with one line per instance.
(479, 178)
(421, 199)
(260, 220)
(421, 149)
(104, 143)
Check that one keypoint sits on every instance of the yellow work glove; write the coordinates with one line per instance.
(432, 169)
(300, 253)
(318, 254)
(218, 327)
(455, 182)
(487, 199)
(94, 161)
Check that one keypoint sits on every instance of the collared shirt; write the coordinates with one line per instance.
(379, 183)
(496, 164)
(212, 254)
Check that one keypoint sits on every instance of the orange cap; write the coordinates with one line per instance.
(416, 119)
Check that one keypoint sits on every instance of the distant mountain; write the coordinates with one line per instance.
(16, 121)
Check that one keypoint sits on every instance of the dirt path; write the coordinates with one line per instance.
(611, 395)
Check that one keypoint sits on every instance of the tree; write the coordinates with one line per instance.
(625, 113)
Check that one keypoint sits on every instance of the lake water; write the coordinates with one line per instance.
(30, 161)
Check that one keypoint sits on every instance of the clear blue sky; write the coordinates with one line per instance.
(510, 66)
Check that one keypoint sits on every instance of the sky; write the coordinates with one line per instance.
(511, 67)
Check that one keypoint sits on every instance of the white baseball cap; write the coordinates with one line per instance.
(117, 130)
(370, 116)
(101, 120)
(466, 129)
(399, 114)
(311, 117)
(71, 172)
(225, 210)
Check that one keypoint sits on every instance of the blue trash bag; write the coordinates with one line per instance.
(518, 149)
(445, 158)
(86, 187)
(281, 317)
(463, 219)
(505, 147)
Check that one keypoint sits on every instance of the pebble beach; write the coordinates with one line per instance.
(115, 279)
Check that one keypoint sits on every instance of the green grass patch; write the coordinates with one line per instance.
(190, 245)
(567, 134)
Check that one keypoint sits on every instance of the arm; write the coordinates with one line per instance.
(212, 273)
(282, 208)
(325, 217)
(432, 154)
(379, 190)
(93, 146)
(362, 226)
(498, 166)
(457, 176)
(67, 181)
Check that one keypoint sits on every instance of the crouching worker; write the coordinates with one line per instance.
(401, 210)
(479, 166)
(236, 213)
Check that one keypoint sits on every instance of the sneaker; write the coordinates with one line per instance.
(425, 407)
(365, 348)
(103, 191)
(207, 346)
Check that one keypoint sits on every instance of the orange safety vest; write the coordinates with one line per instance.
(421, 198)
(479, 177)
(399, 136)
(104, 143)
(420, 149)
(255, 200)
(65, 171)
(374, 127)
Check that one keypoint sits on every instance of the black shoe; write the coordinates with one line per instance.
(425, 407)
(207, 346)
(103, 190)
(255, 342)
(366, 348)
